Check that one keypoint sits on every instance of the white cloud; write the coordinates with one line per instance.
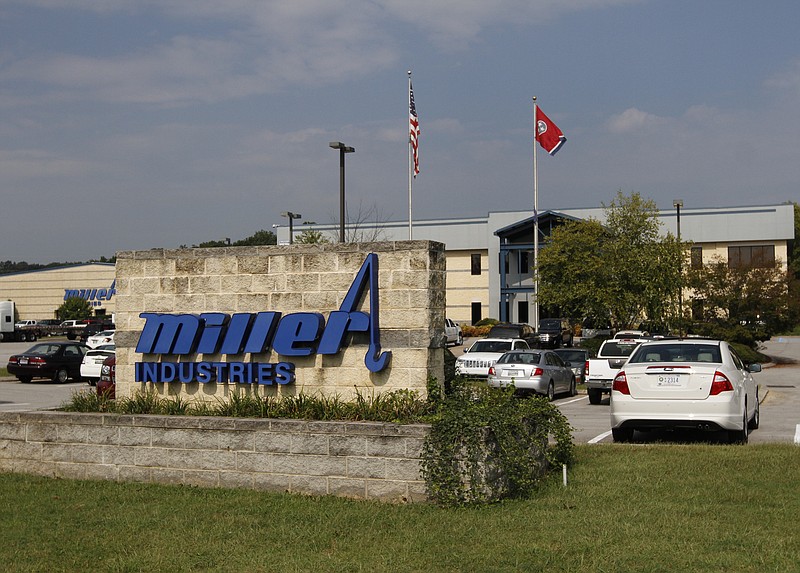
(633, 119)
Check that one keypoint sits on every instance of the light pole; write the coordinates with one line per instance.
(292, 217)
(342, 150)
(678, 203)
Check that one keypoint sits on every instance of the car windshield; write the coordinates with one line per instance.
(491, 346)
(572, 355)
(619, 348)
(679, 352)
(520, 358)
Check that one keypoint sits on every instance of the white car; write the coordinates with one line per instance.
(542, 372)
(93, 362)
(104, 337)
(479, 357)
(693, 383)
(452, 332)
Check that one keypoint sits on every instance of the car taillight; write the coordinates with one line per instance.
(621, 384)
(13, 360)
(491, 370)
(537, 372)
(586, 368)
(36, 360)
(720, 384)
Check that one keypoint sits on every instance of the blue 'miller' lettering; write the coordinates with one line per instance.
(296, 334)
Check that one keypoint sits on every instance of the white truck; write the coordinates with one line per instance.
(10, 331)
(613, 353)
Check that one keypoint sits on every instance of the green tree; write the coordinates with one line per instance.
(757, 297)
(311, 237)
(75, 308)
(623, 270)
(262, 237)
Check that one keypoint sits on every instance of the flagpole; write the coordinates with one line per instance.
(410, 164)
(535, 225)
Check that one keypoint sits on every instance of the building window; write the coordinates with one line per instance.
(504, 262)
(522, 311)
(698, 309)
(754, 257)
(475, 263)
(697, 257)
(524, 267)
(476, 313)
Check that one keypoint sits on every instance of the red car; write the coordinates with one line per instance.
(107, 384)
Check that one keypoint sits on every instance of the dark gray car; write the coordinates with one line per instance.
(578, 359)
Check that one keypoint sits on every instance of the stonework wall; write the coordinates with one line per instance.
(365, 460)
(290, 279)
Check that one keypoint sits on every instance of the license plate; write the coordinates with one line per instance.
(100, 360)
(513, 373)
(23, 360)
(673, 380)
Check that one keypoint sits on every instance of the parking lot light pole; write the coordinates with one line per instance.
(342, 150)
(678, 203)
(292, 217)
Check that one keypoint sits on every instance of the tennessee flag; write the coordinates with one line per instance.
(547, 133)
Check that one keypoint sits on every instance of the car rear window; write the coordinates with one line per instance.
(678, 353)
(520, 358)
(572, 355)
(619, 348)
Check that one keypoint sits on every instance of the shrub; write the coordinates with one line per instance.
(487, 444)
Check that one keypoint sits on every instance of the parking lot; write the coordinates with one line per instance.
(779, 386)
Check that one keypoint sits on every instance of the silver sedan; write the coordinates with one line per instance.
(538, 371)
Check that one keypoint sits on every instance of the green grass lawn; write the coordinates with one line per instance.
(627, 508)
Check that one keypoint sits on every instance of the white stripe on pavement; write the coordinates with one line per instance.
(574, 400)
(600, 437)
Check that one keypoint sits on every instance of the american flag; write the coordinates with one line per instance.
(413, 128)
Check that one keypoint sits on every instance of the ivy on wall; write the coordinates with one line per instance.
(487, 444)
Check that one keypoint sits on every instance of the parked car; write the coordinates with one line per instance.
(107, 385)
(592, 327)
(513, 330)
(694, 383)
(453, 333)
(24, 323)
(475, 362)
(58, 361)
(578, 359)
(554, 332)
(101, 338)
(94, 328)
(93, 362)
(539, 371)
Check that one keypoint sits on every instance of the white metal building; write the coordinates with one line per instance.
(474, 251)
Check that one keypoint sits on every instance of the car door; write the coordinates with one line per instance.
(72, 357)
(558, 372)
(748, 382)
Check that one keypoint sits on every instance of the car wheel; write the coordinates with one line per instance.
(622, 434)
(24, 379)
(595, 396)
(551, 392)
(756, 419)
(573, 387)
(739, 436)
(61, 375)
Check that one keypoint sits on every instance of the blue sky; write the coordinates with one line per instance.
(137, 124)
